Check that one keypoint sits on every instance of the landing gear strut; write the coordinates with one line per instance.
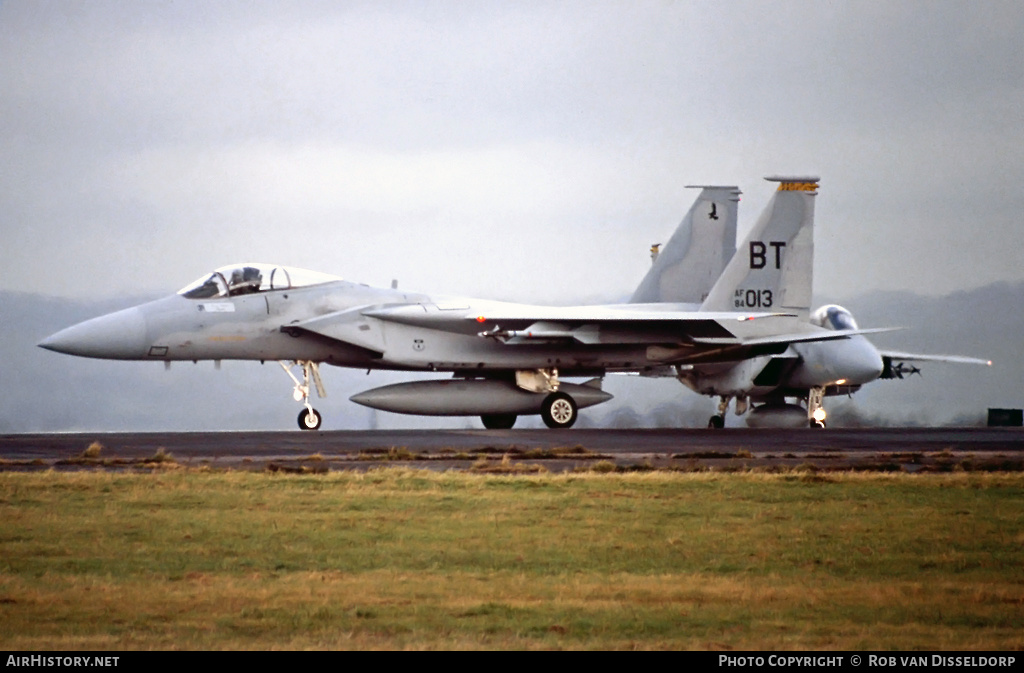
(717, 422)
(815, 412)
(309, 418)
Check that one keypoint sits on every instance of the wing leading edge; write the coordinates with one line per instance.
(671, 335)
(894, 363)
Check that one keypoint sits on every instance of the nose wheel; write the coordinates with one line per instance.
(816, 412)
(309, 418)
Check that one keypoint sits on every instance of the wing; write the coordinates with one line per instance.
(515, 324)
(895, 362)
(673, 333)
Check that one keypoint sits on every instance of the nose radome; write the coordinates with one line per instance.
(117, 336)
(867, 365)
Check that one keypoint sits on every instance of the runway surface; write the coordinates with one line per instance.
(906, 449)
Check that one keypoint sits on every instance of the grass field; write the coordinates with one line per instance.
(398, 558)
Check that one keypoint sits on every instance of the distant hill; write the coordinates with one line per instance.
(44, 391)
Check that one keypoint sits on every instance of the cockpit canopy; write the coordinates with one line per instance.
(832, 316)
(238, 279)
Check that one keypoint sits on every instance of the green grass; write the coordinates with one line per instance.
(399, 558)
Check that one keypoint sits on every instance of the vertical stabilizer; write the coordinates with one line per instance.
(690, 263)
(773, 268)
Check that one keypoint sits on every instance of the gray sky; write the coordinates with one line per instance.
(528, 151)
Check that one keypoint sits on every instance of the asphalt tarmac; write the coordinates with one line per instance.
(875, 449)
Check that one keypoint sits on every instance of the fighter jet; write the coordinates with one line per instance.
(731, 325)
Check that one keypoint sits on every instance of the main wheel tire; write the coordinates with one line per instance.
(498, 421)
(558, 411)
(310, 419)
(818, 425)
(716, 423)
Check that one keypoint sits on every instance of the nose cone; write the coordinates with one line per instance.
(861, 363)
(117, 336)
(852, 362)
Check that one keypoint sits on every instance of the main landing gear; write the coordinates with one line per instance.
(717, 422)
(559, 411)
(309, 418)
(499, 421)
(774, 412)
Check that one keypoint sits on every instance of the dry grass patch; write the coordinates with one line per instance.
(407, 559)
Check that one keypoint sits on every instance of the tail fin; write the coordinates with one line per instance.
(774, 267)
(693, 258)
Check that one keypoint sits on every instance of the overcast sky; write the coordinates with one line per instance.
(528, 151)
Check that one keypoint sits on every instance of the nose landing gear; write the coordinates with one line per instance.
(815, 412)
(309, 418)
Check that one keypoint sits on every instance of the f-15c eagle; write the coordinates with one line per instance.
(730, 322)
